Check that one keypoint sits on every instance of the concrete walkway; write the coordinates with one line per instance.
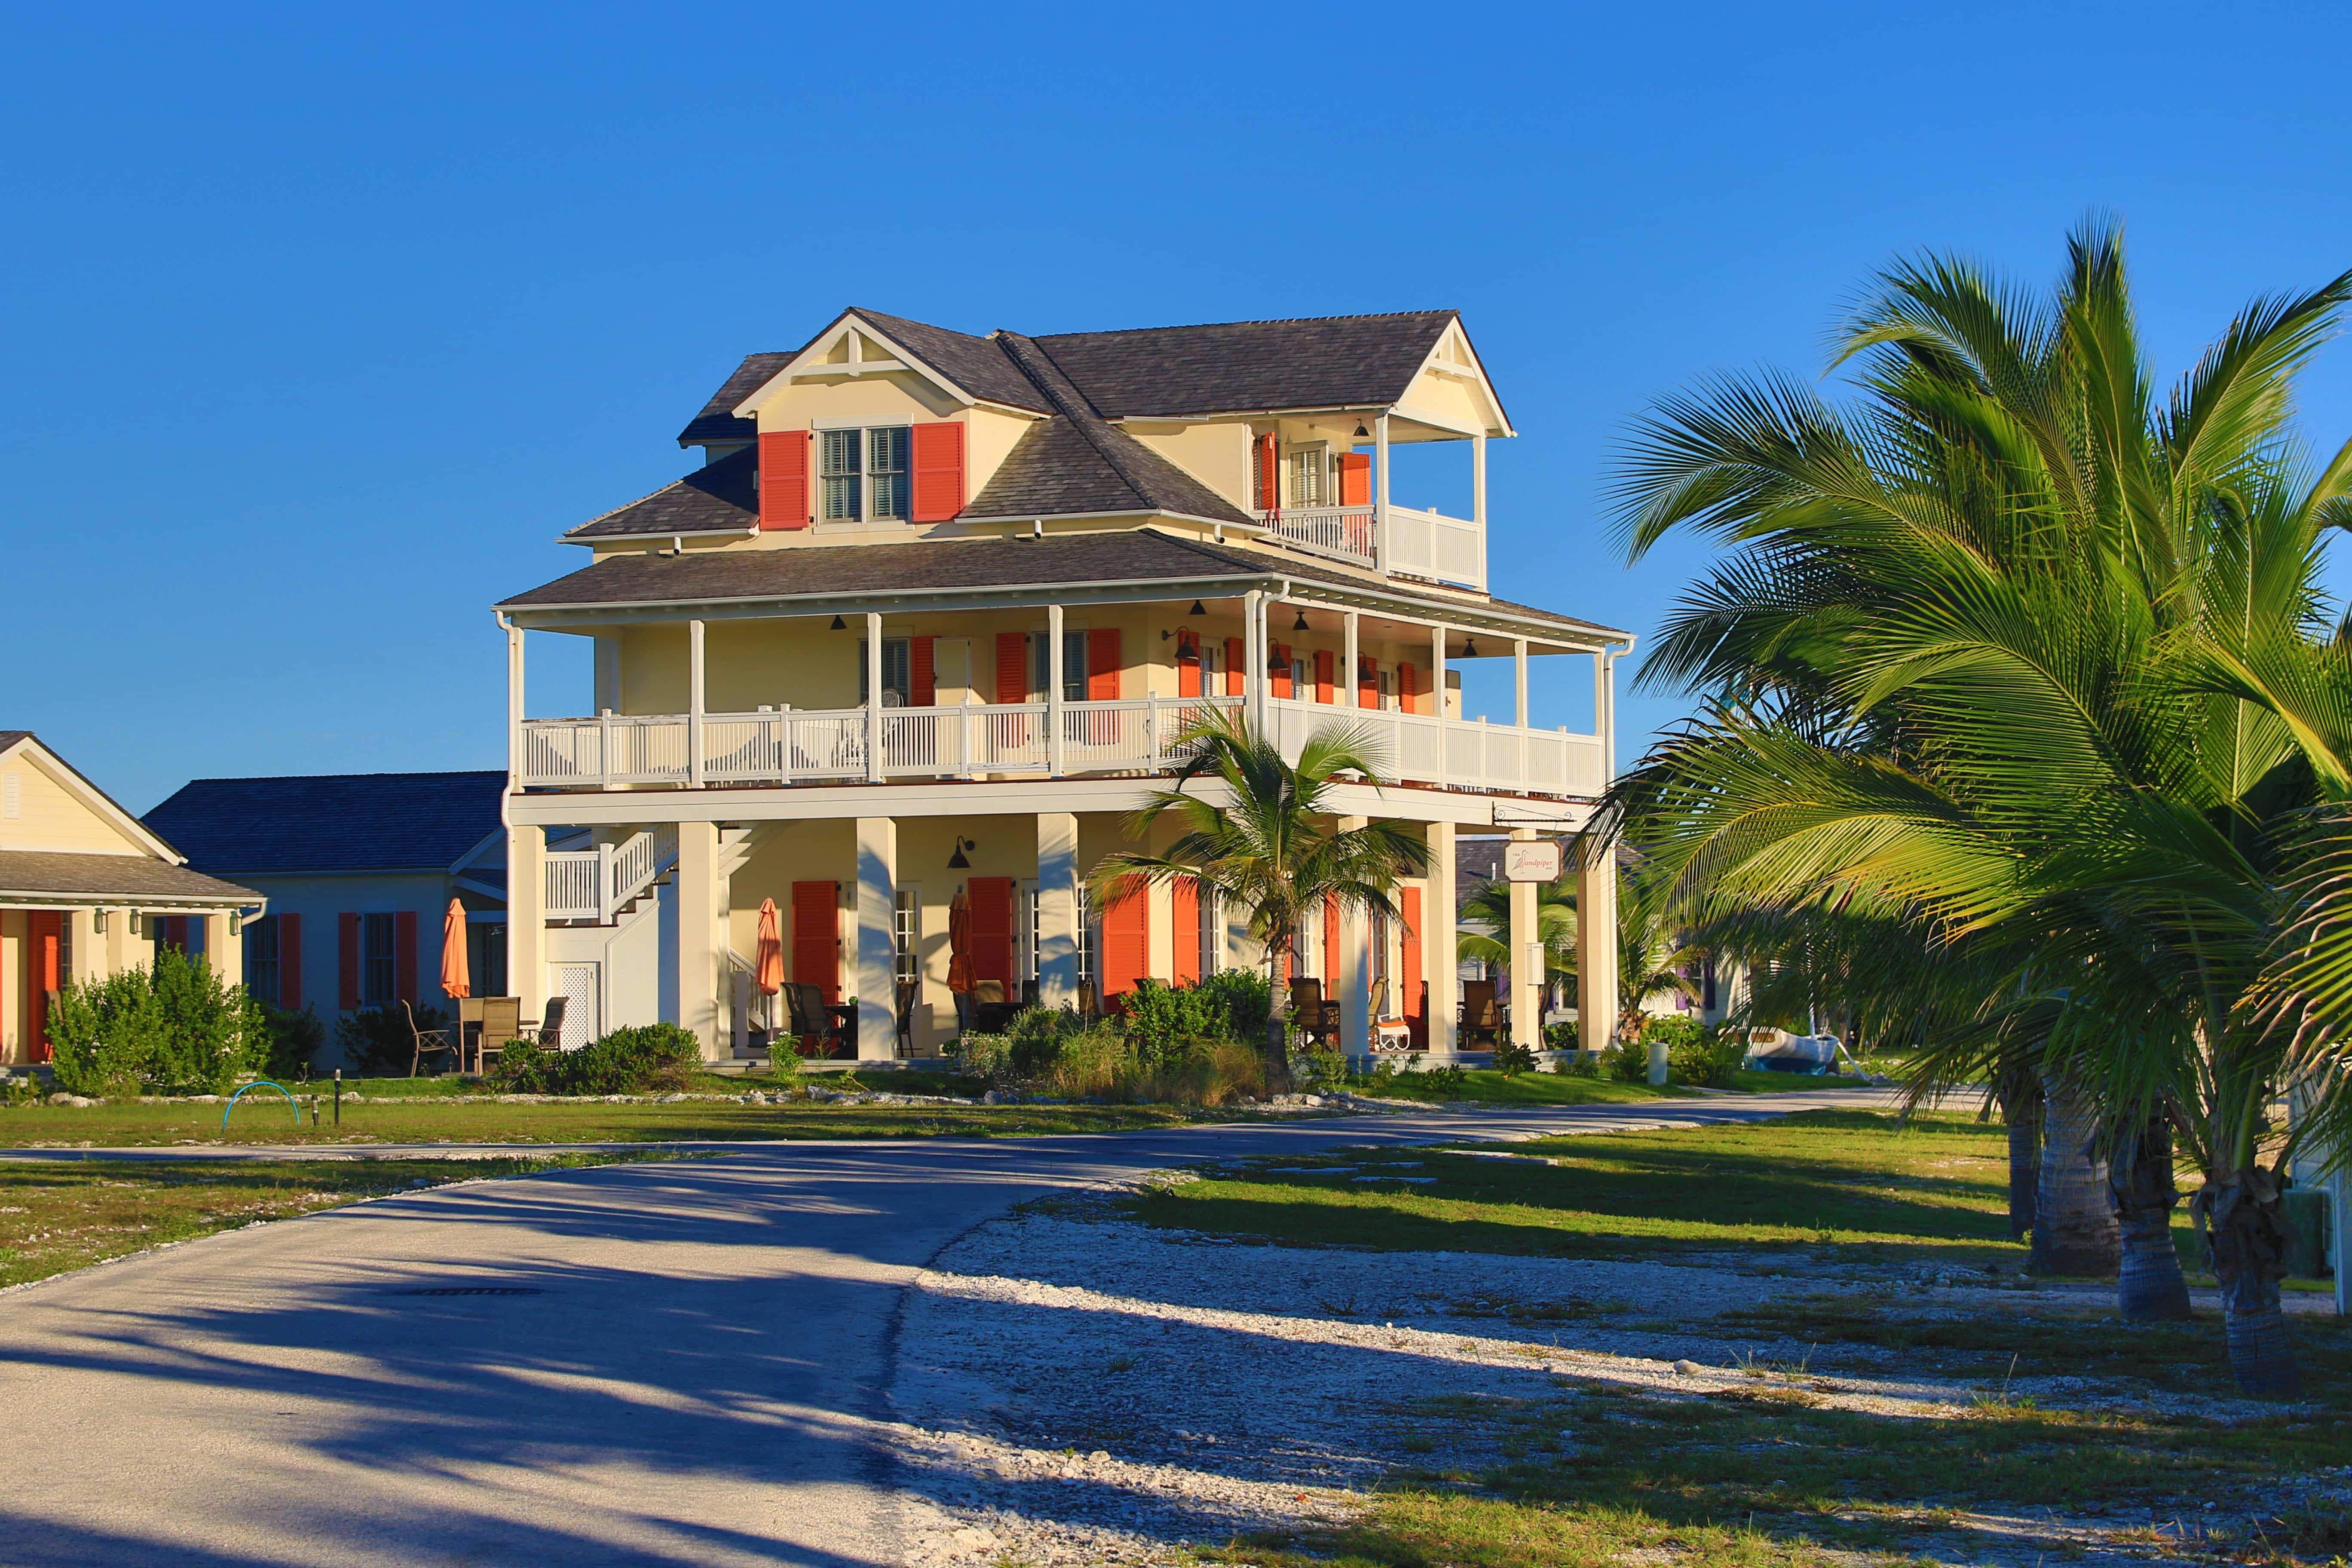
(677, 1362)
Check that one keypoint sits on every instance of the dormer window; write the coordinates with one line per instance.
(863, 474)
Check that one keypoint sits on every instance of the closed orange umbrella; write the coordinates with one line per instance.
(456, 978)
(959, 942)
(768, 966)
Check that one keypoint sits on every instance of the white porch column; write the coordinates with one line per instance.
(878, 948)
(526, 919)
(223, 953)
(694, 703)
(1438, 965)
(1437, 672)
(1596, 944)
(1520, 674)
(701, 950)
(1381, 499)
(1258, 683)
(1053, 689)
(1478, 482)
(515, 754)
(874, 696)
(1348, 626)
(1527, 959)
(1057, 908)
(1353, 970)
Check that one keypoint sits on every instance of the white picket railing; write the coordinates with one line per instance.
(596, 884)
(1137, 735)
(1419, 544)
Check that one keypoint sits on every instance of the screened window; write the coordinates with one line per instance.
(1074, 666)
(378, 974)
(1088, 936)
(863, 473)
(261, 960)
(1030, 932)
(1307, 476)
(905, 933)
(898, 672)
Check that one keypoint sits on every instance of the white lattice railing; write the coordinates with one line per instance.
(1133, 736)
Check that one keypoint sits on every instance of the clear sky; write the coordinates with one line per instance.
(318, 323)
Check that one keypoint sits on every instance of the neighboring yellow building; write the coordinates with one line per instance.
(934, 610)
(86, 890)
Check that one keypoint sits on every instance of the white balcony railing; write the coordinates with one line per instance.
(1133, 736)
(597, 884)
(1419, 544)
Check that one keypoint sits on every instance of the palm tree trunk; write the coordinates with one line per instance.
(1278, 1017)
(2245, 1237)
(2074, 1228)
(2150, 1287)
(2020, 1107)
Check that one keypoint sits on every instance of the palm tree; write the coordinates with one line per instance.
(1268, 848)
(2010, 654)
(1490, 907)
(1654, 957)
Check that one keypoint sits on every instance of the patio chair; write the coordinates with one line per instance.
(819, 1028)
(549, 1030)
(990, 1012)
(1316, 1021)
(429, 1042)
(1389, 1033)
(1482, 1018)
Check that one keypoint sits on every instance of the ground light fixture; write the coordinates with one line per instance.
(956, 862)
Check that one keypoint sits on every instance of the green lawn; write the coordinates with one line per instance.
(57, 1217)
(1488, 1087)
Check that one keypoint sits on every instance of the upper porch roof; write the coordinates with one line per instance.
(1088, 563)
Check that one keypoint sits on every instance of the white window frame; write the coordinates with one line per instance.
(859, 474)
(897, 671)
(390, 927)
(1301, 461)
(907, 932)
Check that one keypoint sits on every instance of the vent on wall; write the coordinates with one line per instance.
(11, 800)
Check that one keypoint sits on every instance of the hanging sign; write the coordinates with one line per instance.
(1531, 861)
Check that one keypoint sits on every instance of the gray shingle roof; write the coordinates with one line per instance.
(129, 877)
(979, 365)
(1059, 560)
(10, 737)
(717, 422)
(1240, 367)
(718, 498)
(330, 822)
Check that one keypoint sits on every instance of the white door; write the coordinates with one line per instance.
(952, 671)
(581, 986)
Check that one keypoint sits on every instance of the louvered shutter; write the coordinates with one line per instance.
(1102, 665)
(1411, 986)
(992, 929)
(1323, 674)
(938, 468)
(1126, 937)
(816, 937)
(46, 930)
(1236, 667)
(1407, 688)
(1269, 474)
(403, 956)
(1368, 682)
(922, 675)
(1188, 664)
(1012, 667)
(1278, 668)
(347, 962)
(289, 961)
(1184, 897)
(1355, 478)
(784, 479)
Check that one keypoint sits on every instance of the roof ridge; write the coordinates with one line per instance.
(316, 778)
(1063, 393)
(1252, 321)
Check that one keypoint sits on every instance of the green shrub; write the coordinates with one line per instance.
(1038, 1037)
(1442, 1081)
(295, 1039)
(988, 1056)
(377, 1042)
(1247, 999)
(635, 1060)
(1584, 1064)
(1561, 1037)
(172, 1027)
(1166, 1021)
(1695, 1055)
(1627, 1061)
(1327, 1066)
(1512, 1058)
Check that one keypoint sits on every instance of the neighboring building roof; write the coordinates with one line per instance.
(10, 737)
(1057, 560)
(58, 874)
(331, 821)
(1247, 367)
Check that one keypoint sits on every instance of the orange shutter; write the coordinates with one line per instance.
(936, 464)
(1278, 667)
(1323, 674)
(1355, 478)
(784, 479)
(1102, 665)
(1188, 664)
(46, 930)
(1405, 690)
(1330, 943)
(403, 956)
(816, 937)
(992, 929)
(1184, 894)
(1126, 937)
(289, 961)
(347, 962)
(921, 674)
(1012, 667)
(1237, 668)
(1368, 682)
(1269, 473)
(1411, 986)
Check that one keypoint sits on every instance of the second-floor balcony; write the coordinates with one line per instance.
(1139, 736)
(1407, 541)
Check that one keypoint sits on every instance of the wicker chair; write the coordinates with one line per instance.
(1482, 1017)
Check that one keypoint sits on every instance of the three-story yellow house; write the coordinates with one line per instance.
(931, 618)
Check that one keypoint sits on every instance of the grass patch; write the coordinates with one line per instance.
(1856, 1182)
(55, 1218)
(1488, 1087)
(1415, 1528)
(1755, 1081)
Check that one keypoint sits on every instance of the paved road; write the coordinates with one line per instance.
(678, 1363)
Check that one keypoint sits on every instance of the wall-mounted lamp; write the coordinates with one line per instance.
(956, 862)
(97, 921)
(236, 922)
(1469, 648)
(1361, 434)
(839, 625)
(1300, 624)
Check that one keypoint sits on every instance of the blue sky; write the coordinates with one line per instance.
(319, 323)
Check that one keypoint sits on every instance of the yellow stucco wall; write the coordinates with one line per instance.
(1218, 454)
(49, 817)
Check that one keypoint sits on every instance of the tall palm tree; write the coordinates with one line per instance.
(1484, 937)
(2009, 653)
(1654, 957)
(1268, 847)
